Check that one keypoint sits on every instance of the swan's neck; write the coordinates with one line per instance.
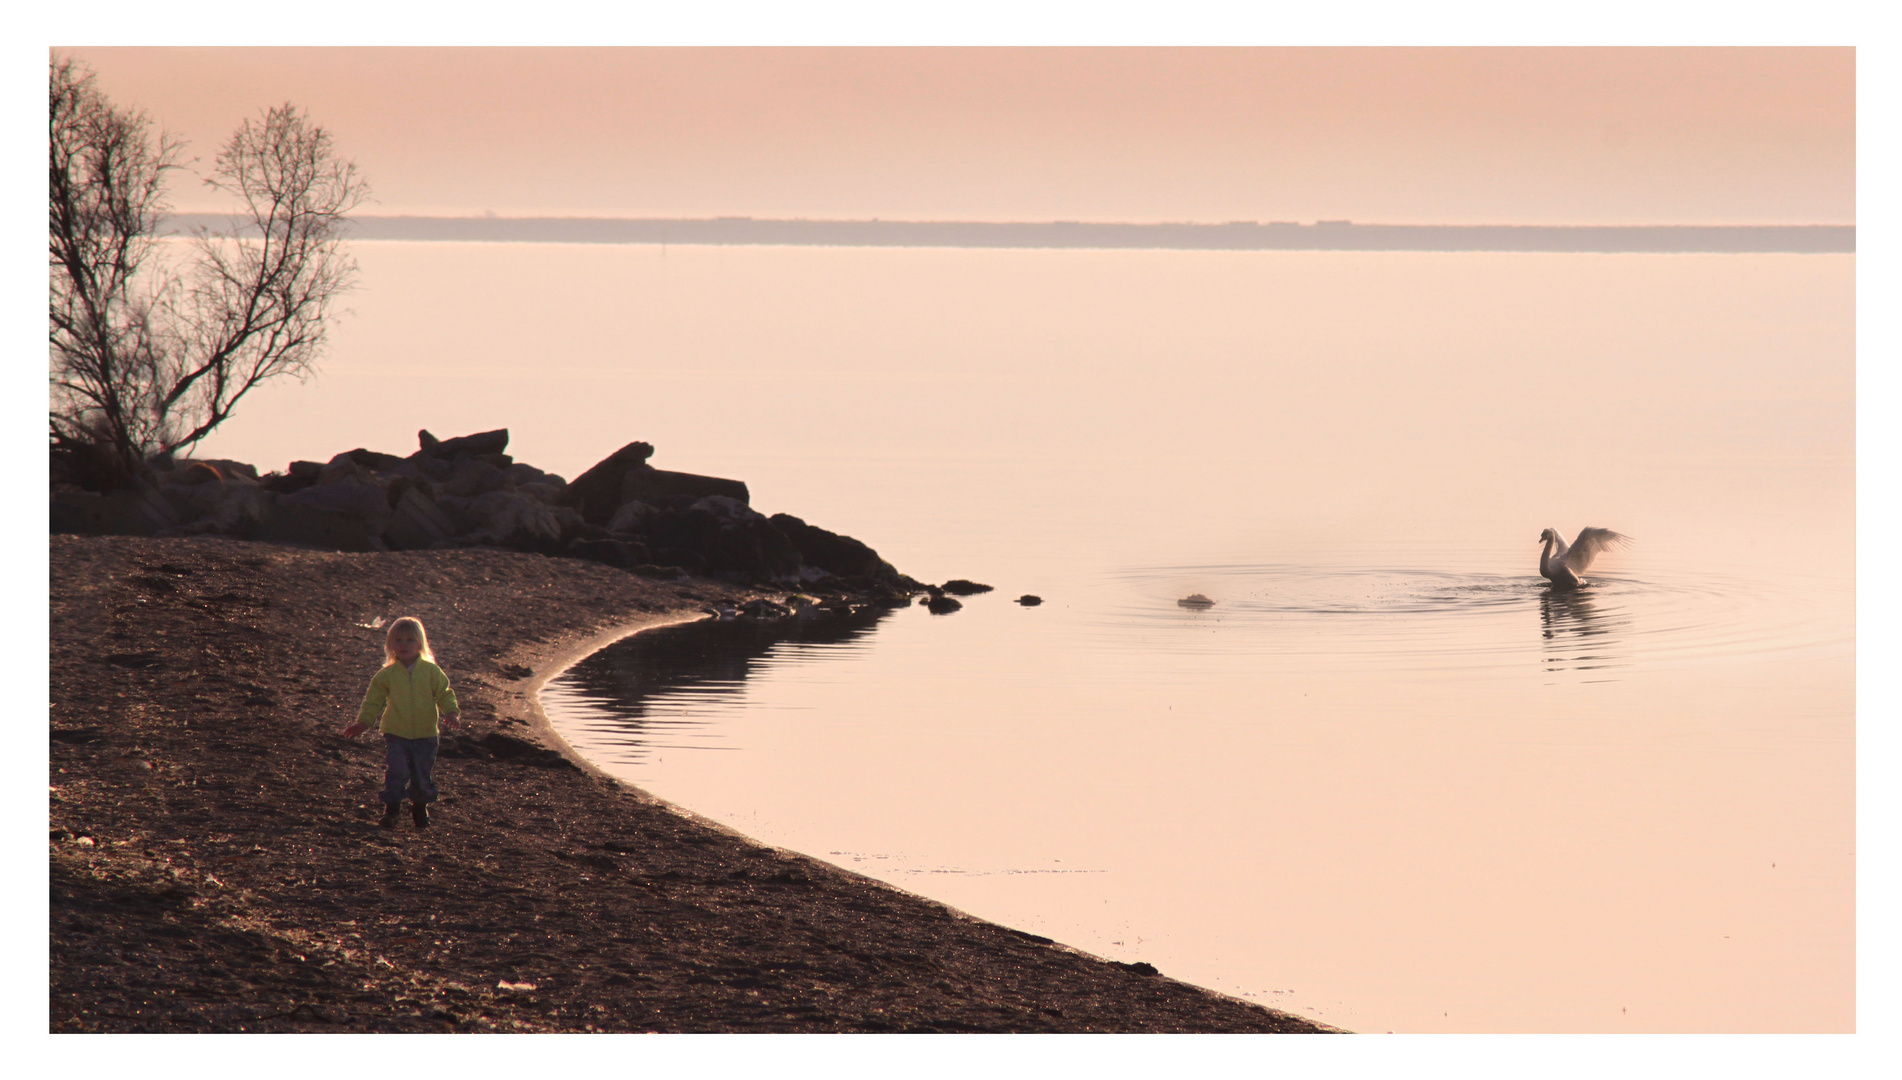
(1546, 556)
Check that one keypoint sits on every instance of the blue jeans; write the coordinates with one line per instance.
(411, 761)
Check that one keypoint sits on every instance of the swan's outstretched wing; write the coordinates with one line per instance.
(1587, 546)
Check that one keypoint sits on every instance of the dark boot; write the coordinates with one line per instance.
(417, 810)
(389, 816)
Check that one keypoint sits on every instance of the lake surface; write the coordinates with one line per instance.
(1388, 780)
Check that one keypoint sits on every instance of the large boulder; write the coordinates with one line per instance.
(597, 492)
(632, 519)
(298, 476)
(416, 522)
(521, 473)
(831, 552)
(352, 496)
(731, 538)
(371, 459)
(219, 505)
(473, 476)
(344, 467)
(310, 524)
(650, 485)
(139, 510)
(624, 476)
(481, 443)
(511, 519)
(223, 468)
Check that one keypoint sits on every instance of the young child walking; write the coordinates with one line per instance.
(407, 695)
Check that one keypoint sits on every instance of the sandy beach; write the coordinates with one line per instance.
(216, 865)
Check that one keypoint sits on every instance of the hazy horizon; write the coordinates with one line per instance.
(741, 230)
(1455, 136)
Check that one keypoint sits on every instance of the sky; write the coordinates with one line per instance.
(1556, 135)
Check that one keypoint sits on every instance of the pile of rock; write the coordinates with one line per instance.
(468, 491)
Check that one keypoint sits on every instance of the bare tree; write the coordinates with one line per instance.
(152, 349)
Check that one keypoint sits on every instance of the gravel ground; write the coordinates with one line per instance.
(216, 865)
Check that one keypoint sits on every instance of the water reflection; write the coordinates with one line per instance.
(1579, 634)
(644, 692)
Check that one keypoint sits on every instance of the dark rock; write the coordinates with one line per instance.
(197, 472)
(1029, 600)
(219, 468)
(622, 553)
(486, 442)
(514, 520)
(831, 552)
(500, 461)
(370, 459)
(648, 484)
(961, 587)
(597, 492)
(941, 605)
(417, 522)
(1196, 600)
(631, 519)
(686, 559)
(394, 487)
(437, 470)
(473, 476)
(357, 496)
(309, 525)
(140, 510)
(523, 473)
(763, 608)
(729, 536)
(1138, 968)
(285, 483)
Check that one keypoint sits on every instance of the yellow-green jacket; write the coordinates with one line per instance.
(408, 700)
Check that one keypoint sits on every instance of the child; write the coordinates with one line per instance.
(407, 694)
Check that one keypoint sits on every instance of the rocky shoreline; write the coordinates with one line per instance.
(468, 491)
(215, 864)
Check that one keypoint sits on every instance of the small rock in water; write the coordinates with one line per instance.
(763, 608)
(961, 587)
(941, 605)
(1195, 600)
(1029, 601)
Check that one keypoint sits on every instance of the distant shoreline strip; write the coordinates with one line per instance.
(1232, 236)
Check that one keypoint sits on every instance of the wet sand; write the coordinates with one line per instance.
(216, 865)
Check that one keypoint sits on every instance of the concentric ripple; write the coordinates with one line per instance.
(1417, 618)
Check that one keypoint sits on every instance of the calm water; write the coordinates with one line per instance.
(1388, 780)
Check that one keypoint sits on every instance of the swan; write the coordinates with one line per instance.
(1562, 564)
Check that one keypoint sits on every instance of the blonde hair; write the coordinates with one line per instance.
(406, 625)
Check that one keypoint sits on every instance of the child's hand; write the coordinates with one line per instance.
(452, 721)
(353, 729)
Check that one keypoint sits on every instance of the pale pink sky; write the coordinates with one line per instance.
(1510, 135)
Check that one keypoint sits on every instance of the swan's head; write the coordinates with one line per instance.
(1549, 534)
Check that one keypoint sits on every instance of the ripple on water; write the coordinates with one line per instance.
(1409, 618)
